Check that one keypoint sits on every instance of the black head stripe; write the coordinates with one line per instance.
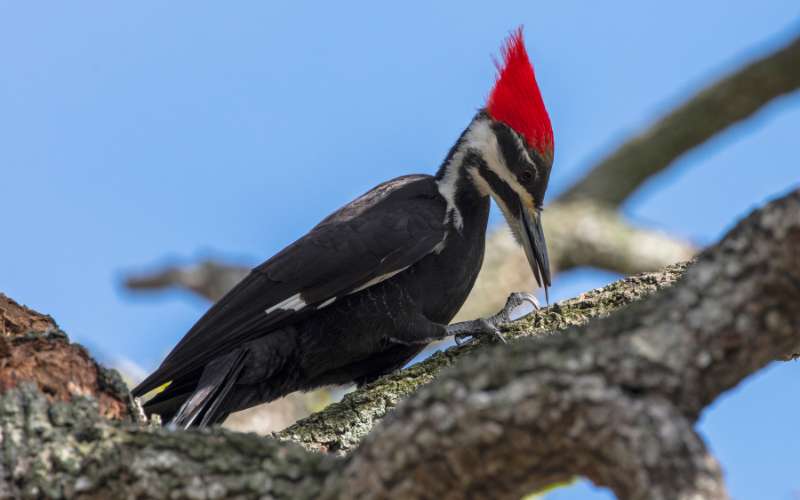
(510, 148)
(499, 186)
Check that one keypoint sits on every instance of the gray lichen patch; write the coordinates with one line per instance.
(67, 450)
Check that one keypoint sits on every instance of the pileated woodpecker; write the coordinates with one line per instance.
(367, 288)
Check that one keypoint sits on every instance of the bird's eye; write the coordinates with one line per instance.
(526, 176)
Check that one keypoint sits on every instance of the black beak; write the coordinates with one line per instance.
(532, 239)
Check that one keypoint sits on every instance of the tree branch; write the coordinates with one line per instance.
(61, 450)
(209, 278)
(614, 400)
(706, 114)
(340, 427)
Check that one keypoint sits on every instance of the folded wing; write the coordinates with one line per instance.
(374, 237)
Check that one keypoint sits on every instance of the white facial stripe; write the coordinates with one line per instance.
(293, 303)
(480, 183)
(447, 188)
(480, 138)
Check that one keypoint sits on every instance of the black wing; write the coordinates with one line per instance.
(381, 233)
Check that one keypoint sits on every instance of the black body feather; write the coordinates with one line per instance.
(238, 355)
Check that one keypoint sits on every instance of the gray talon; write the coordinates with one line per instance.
(519, 305)
(470, 331)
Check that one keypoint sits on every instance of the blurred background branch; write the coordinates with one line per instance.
(711, 111)
(209, 278)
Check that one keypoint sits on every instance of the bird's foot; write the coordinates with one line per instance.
(519, 305)
(465, 332)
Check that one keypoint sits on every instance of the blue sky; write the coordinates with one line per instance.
(143, 133)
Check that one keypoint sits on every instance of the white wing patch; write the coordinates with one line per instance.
(327, 303)
(375, 281)
(296, 302)
(293, 303)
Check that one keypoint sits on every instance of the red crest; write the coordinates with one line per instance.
(515, 99)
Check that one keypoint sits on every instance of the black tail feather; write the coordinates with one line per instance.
(215, 384)
(213, 414)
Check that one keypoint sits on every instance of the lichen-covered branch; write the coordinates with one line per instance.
(711, 111)
(614, 399)
(62, 446)
(66, 450)
(340, 427)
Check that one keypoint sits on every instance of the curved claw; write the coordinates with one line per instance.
(524, 304)
(519, 305)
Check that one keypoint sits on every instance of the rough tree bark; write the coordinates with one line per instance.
(614, 400)
(34, 350)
